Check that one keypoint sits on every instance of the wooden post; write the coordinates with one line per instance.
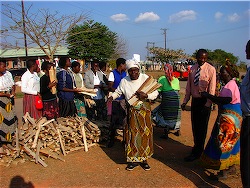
(52, 76)
(84, 138)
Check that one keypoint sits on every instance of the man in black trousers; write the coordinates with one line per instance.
(245, 127)
(202, 77)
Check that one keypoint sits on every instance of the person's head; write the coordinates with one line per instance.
(31, 65)
(201, 56)
(133, 68)
(46, 65)
(64, 62)
(2, 67)
(168, 72)
(121, 64)
(228, 72)
(76, 66)
(95, 66)
(103, 65)
(248, 50)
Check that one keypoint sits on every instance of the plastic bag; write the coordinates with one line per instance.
(38, 103)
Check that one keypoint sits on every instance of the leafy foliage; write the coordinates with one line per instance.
(92, 40)
(162, 55)
(219, 57)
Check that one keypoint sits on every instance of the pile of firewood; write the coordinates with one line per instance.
(36, 140)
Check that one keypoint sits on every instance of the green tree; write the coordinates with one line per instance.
(92, 40)
(219, 57)
(162, 55)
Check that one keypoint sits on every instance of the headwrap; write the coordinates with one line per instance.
(131, 63)
(232, 69)
(168, 72)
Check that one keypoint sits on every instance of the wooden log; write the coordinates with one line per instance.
(36, 137)
(31, 153)
(147, 87)
(84, 139)
(48, 153)
(52, 77)
(37, 150)
(39, 124)
(61, 142)
(76, 148)
(30, 136)
(30, 119)
(47, 122)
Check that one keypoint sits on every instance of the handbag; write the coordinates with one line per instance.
(38, 102)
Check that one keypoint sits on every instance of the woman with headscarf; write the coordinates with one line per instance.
(8, 118)
(168, 113)
(222, 151)
(139, 129)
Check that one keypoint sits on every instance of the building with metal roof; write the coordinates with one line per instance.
(16, 58)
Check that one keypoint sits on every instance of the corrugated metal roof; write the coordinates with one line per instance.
(33, 51)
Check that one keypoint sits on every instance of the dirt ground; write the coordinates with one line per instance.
(105, 167)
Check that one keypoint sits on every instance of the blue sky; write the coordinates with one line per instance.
(190, 24)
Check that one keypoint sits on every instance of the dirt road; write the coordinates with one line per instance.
(105, 167)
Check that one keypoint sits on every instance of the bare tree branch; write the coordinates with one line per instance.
(43, 28)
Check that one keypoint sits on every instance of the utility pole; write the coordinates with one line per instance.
(165, 37)
(24, 31)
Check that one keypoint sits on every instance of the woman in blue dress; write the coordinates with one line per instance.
(222, 151)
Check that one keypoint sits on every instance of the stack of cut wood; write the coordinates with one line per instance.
(147, 87)
(36, 140)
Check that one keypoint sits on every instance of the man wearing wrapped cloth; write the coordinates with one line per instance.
(139, 129)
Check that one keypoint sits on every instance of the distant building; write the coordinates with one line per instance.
(137, 57)
(16, 58)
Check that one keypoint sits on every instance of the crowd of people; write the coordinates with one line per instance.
(229, 140)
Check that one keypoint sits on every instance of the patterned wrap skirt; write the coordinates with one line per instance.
(29, 106)
(223, 147)
(80, 106)
(168, 113)
(8, 119)
(139, 134)
(51, 109)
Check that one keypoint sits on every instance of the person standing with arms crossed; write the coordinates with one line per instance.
(202, 77)
(245, 128)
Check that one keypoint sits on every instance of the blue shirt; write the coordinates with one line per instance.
(64, 81)
(118, 77)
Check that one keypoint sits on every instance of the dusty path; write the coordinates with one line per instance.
(105, 167)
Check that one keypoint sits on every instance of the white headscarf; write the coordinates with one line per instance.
(131, 63)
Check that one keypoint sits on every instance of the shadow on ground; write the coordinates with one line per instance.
(171, 153)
